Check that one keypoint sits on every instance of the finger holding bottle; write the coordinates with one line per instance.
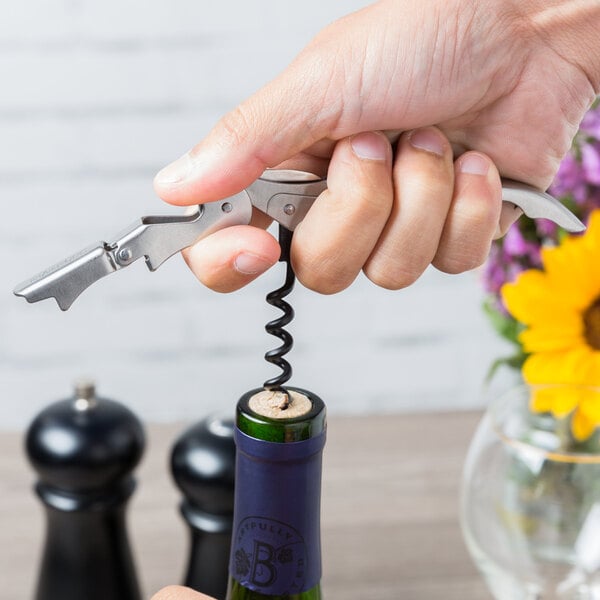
(177, 592)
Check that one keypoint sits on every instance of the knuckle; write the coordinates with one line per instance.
(392, 275)
(322, 274)
(324, 286)
(455, 263)
(360, 196)
(326, 283)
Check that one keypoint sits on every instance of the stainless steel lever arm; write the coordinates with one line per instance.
(154, 238)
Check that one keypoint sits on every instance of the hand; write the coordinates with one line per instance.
(478, 88)
(176, 592)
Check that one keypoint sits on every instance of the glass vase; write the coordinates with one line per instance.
(530, 501)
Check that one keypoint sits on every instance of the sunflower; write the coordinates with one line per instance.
(560, 309)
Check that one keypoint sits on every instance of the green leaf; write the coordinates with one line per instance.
(507, 326)
(514, 361)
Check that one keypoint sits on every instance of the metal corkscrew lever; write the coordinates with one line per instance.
(285, 196)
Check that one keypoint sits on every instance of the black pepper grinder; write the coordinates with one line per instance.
(84, 450)
(203, 466)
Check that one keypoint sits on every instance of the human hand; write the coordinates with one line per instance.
(478, 88)
(176, 592)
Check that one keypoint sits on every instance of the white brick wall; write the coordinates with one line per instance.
(94, 98)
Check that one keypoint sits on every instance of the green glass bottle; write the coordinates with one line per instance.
(276, 542)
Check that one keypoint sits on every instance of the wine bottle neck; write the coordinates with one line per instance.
(276, 546)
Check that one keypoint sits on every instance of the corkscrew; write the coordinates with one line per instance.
(276, 327)
(285, 196)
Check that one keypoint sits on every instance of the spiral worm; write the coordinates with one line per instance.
(276, 326)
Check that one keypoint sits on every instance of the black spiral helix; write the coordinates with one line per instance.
(275, 327)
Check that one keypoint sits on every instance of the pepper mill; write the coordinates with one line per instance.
(84, 450)
(203, 466)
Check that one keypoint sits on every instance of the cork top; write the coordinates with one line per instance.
(288, 415)
(280, 404)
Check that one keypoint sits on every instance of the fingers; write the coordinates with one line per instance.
(441, 213)
(176, 592)
(437, 212)
(392, 221)
(473, 217)
(233, 257)
(423, 184)
(335, 239)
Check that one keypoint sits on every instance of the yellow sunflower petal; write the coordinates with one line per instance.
(593, 239)
(574, 264)
(589, 404)
(540, 402)
(592, 367)
(567, 366)
(533, 299)
(581, 426)
(592, 235)
(563, 335)
(552, 303)
(559, 401)
(594, 224)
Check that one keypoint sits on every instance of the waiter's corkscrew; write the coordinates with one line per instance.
(285, 196)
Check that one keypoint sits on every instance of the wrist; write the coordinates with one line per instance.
(570, 28)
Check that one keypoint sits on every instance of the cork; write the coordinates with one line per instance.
(280, 404)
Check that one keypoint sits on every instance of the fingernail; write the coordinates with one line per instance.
(176, 172)
(474, 164)
(427, 139)
(370, 145)
(250, 264)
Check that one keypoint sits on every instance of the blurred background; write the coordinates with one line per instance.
(96, 97)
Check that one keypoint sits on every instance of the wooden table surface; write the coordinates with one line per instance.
(389, 520)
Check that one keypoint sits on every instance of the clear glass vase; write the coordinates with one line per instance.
(530, 506)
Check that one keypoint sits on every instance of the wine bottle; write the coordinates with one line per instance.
(276, 543)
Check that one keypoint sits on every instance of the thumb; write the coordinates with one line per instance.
(300, 107)
(273, 125)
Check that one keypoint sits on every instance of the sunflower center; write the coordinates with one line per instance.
(591, 321)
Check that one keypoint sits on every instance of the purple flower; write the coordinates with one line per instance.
(594, 198)
(493, 273)
(514, 242)
(516, 246)
(513, 270)
(591, 123)
(590, 160)
(569, 180)
(546, 228)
